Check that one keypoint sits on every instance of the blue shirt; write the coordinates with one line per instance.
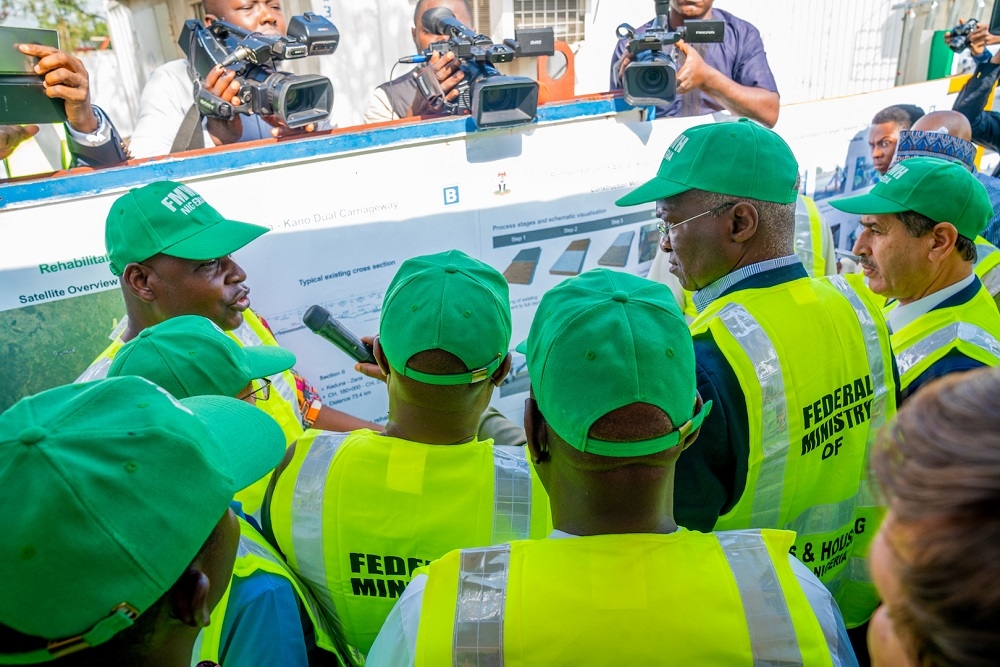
(263, 623)
(740, 56)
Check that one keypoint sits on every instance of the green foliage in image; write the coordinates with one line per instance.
(50, 344)
(75, 24)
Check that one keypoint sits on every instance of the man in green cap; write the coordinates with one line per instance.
(260, 620)
(118, 539)
(356, 513)
(173, 254)
(800, 368)
(917, 247)
(613, 406)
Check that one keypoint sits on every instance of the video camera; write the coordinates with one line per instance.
(294, 100)
(958, 39)
(652, 78)
(494, 100)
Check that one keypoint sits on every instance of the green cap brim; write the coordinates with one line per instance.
(657, 188)
(219, 240)
(522, 347)
(266, 360)
(868, 204)
(253, 441)
(647, 447)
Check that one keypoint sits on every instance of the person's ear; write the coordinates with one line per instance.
(210, 19)
(413, 35)
(745, 219)
(502, 372)
(689, 439)
(379, 354)
(189, 599)
(535, 432)
(944, 238)
(136, 278)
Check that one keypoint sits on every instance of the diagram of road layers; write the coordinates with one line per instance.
(536, 252)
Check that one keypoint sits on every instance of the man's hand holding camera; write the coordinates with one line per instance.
(694, 73)
(222, 83)
(978, 39)
(446, 69)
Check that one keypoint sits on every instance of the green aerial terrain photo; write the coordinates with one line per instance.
(50, 344)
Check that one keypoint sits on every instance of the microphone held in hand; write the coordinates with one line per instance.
(318, 319)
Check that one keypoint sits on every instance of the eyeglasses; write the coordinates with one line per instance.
(260, 393)
(665, 226)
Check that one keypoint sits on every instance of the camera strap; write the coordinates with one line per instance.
(430, 88)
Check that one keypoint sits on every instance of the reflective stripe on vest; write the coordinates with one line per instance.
(482, 601)
(809, 236)
(909, 357)
(768, 620)
(356, 513)
(253, 554)
(813, 491)
(511, 502)
(766, 511)
(988, 265)
(307, 514)
(511, 494)
(482, 597)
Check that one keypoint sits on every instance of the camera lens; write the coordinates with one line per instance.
(652, 81)
(495, 99)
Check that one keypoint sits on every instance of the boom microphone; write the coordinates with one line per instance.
(319, 320)
(442, 21)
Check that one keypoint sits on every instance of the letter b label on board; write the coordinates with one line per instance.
(451, 195)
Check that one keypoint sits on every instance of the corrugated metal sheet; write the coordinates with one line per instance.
(826, 48)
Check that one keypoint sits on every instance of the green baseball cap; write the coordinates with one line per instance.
(447, 301)
(170, 218)
(110, 490)
(741, 158)
(939, 189)
(190, 356)
(604, 340)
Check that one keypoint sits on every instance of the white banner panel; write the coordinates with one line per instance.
(346, 210)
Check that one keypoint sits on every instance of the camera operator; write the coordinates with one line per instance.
(168, 120)
(733, 75)
(91, 138)
(972, 99)
(400, 98)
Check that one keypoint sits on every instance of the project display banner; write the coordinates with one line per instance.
(537, 203)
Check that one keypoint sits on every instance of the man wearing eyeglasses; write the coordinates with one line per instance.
(260, 620)
(799, 368)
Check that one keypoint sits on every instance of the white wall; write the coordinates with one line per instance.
(373, 35)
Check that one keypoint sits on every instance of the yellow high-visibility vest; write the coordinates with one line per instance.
(688, 598)
(254, 554)
(988, 265)
(813, 359)
(972, 328)
(356, 513)
(282, 405)
(809, 234)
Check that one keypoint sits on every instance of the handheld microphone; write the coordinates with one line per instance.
(319, 321)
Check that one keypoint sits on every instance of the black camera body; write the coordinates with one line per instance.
(493, 100)
(959, 40)
(294, 100)
(651, 79)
